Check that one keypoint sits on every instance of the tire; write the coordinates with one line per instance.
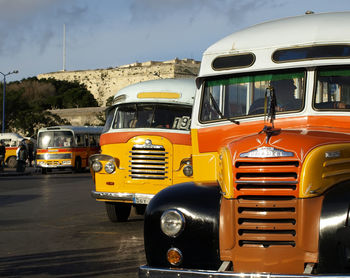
(118, 212)
(140, 209)
(43, 171)
(12, 162)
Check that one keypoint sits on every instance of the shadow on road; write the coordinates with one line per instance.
(11, 199)
(70, 263)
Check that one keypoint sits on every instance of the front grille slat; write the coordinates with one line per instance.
(148, 162)
(266, 202)
(266, 243)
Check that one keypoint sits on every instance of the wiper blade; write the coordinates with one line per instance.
(232, 120)
(217, 110)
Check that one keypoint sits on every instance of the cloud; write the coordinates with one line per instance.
(34, 23)
(232, 11)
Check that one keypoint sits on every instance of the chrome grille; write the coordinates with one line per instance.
(266, 207)
(148, 162)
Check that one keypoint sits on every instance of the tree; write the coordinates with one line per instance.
(27, 102)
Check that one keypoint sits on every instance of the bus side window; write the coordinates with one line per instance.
(80, 140)
(92, 140)
(97, 139)
(7, 142)
(86, 139)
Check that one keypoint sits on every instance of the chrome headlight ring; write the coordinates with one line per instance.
(110, 167)
(96, 166)
(172, 222)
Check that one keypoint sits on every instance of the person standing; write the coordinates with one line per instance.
(22, 155)
(30, 146)
(2, 155)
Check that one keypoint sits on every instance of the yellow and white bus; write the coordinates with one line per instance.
(145, 145)
(62, 147)
(11, 141)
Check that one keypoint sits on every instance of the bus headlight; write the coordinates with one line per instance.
(110, 167)
(172, 222)
(188, 170)
(96, 166)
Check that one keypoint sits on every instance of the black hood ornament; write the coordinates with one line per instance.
(270, 105)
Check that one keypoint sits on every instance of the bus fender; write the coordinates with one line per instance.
(199, 240)
(334, 238)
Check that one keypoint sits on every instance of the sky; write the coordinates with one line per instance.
(110, 33)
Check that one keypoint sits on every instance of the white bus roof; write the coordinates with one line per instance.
(263, 39)
(10, 135)
(75, 129)
(179, 91)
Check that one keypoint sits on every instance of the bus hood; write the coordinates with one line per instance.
(284, 143)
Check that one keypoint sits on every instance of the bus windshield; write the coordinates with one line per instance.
(244, 95)
(151, 115)
(55, 139)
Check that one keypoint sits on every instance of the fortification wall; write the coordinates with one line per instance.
(82, 116)
(104, 83)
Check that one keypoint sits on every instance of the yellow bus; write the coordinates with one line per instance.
(145, 145)
(66, 147)
(11, 141)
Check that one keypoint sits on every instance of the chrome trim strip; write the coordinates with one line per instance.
(148, 146)
(136, 198)
(148, 177)
(267, 182)
(147, 157)
(149, 272)
(54, 166)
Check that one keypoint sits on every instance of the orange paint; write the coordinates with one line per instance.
(123, 137)
(212, 138)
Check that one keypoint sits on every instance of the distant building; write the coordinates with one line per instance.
(104, 83)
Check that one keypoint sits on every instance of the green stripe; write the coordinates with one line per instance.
(334, 73)
(255, 78)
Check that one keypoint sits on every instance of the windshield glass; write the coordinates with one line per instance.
(150, 115)
(55, 139)
(333, 90)
(244, 95)
(109, 119)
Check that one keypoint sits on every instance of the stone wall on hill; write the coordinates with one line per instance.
(82, 116)
(104, 83)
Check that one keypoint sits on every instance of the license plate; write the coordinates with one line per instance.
(142, 198)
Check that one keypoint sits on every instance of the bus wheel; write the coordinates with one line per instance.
(118, 212)
(12, 162)
(43, 171)
(77, 166)
(140, 209)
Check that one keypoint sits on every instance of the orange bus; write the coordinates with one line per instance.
(271, 159)
(67, 147)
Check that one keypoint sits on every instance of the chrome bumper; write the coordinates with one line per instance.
(148, 272)
(53, 166)
(135, 198)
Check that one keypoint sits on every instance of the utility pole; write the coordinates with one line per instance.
(4, 96)
(64, 47)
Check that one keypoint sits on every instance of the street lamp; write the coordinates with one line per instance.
(3, 98)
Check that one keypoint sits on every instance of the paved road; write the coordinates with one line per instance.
(51, 227)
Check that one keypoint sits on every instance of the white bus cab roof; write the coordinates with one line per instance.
(179, 91)
(75, 129)
(263, 39)
(10, 135)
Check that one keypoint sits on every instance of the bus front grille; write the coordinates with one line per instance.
(266, 202)
(266, 222)
(148, 162)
